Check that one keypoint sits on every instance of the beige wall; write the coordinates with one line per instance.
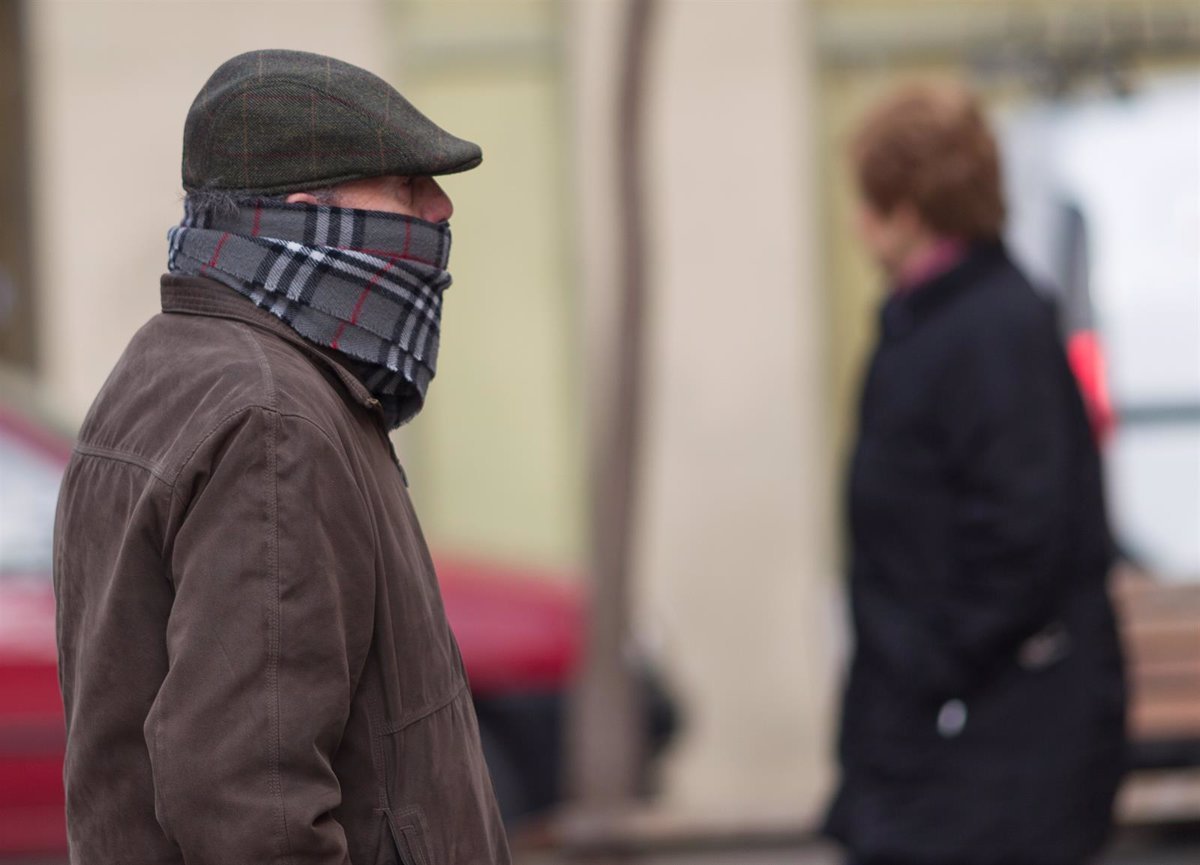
(493, 459)
(111, 84)
(733, 565)
(760, 314)
(736, 548)
(496, 457)
(867, 47)
(733, 569)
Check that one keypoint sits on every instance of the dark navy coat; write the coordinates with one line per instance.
(983, 717)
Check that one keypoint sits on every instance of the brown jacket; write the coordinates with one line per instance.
(254, 657)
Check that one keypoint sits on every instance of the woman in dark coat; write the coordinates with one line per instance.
(983, 719)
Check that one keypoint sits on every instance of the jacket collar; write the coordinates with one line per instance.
(197, 295)
(903, 312)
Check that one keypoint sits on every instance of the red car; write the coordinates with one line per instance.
(520, 635)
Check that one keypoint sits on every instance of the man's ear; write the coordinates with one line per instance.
(302, 198)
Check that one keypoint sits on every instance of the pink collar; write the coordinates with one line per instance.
(943, 255)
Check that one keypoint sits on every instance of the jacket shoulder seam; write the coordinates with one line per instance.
(274, 616)
(270, 443)
(303, 418)
(100, 452)
(325, 434)
(216, 428)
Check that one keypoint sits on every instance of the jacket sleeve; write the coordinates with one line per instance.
(273, 569)
(1008, 426)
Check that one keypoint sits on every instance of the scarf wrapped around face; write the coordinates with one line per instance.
(364, 283)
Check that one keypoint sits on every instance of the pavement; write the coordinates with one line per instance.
(1179, 845)
(1159, 813)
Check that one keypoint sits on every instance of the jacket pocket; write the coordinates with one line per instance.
(438, 788)
(407, 830)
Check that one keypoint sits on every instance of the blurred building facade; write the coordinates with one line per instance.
(733, 569)
(761, 308)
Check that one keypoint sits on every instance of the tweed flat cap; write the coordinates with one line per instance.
(277, 121)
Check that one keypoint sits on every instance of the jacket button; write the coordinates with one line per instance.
(952, 719)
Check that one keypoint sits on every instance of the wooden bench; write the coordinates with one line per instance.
(1160, 625)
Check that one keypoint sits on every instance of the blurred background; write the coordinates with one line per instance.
(756, 308)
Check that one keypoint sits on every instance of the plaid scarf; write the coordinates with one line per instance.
(364, 283)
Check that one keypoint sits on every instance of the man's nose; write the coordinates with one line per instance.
(436, 205)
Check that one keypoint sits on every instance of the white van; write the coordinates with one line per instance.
(1104, 195)
(1104, 199)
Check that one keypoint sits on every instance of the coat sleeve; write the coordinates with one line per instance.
(273, 570)
(1008, 422)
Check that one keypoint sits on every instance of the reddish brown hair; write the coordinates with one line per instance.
(929, 145)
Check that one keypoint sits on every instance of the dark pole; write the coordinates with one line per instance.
(18, 344)
(608, 731)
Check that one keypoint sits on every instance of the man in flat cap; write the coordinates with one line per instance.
(254, 657)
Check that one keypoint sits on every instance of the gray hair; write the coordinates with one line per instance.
(228, 202)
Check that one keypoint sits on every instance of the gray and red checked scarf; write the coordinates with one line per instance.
(364, 283)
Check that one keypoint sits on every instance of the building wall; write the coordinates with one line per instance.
(1005, 50)
(493, 457)
(497, 455)
(733, 567)
(732, 574)
(760, 314)
(736, 551)
(111, 83)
